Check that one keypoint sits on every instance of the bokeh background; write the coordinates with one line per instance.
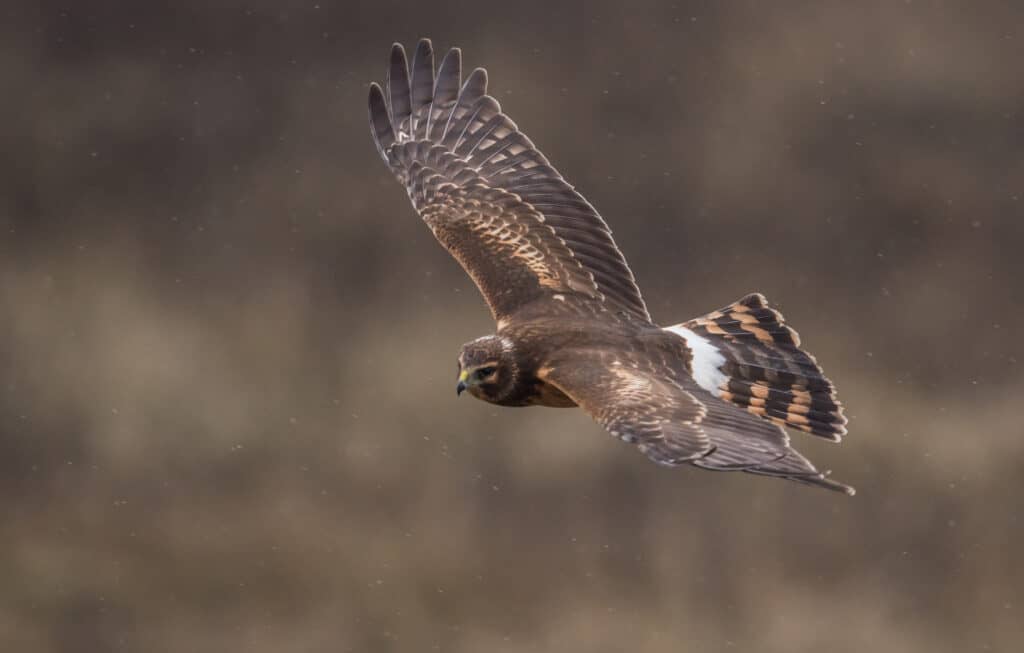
(227, 345)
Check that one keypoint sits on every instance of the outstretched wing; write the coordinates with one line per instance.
(674, 421)
(490, 197)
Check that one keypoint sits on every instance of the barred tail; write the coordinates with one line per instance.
(746, 354)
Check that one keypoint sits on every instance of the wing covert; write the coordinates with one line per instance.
(634, 404)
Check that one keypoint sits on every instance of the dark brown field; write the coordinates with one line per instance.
(227, 344)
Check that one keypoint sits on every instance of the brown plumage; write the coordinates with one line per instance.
(573, 329)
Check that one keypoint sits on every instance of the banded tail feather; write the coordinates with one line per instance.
(745, 353)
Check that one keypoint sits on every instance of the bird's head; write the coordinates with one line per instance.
(487, 369)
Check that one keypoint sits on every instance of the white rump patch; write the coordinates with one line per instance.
(707, 360)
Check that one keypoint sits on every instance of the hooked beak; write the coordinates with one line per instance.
(461, 387)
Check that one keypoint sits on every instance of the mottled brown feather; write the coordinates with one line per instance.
(634, 404)
(517, 227)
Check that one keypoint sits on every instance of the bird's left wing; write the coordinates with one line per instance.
(491, 198)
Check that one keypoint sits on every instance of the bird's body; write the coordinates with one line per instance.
(572, 328)
(536, 342)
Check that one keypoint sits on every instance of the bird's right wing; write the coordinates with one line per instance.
(632, 402)
(491, 198)
(673, 420)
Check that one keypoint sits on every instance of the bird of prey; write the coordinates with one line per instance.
(716, 392)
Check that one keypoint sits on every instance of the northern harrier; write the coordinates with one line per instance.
(572, 329)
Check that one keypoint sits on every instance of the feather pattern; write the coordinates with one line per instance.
(645, 400)
(421, 89)
(518, 228)
(745, 443)
(446, 94)
(766, 372)
(398, 99)
(637, 405)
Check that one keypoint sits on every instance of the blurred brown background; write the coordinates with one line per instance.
(227, 345)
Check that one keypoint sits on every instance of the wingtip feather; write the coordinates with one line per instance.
(450, 68)
(397, 56)
(482, 74)
(422, 88)
(824, 481)
(383, 133)
(446, 94)
(398, 88)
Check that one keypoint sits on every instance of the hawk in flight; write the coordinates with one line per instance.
(572, 329)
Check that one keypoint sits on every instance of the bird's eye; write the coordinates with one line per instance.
(485, 372)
